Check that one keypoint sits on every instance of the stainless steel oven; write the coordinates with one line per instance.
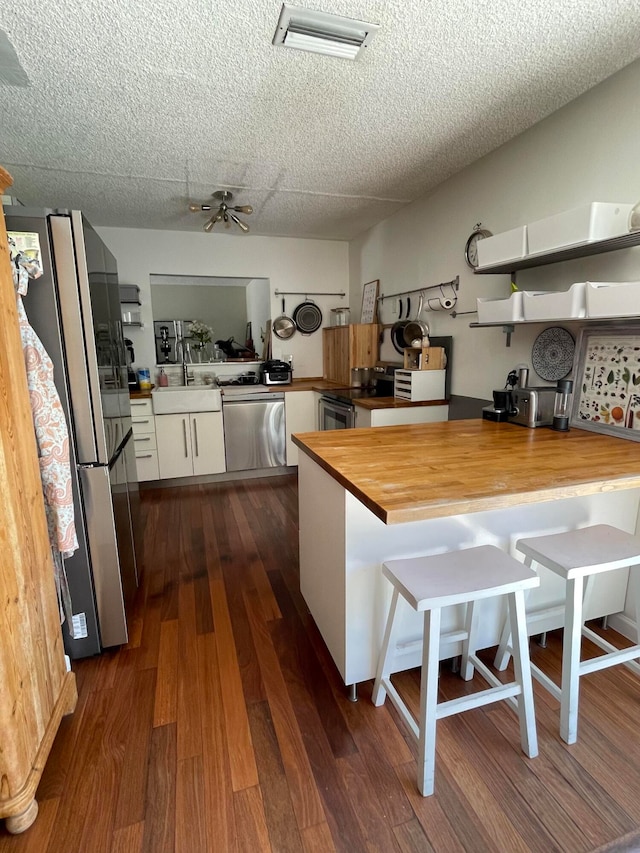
(336, 414)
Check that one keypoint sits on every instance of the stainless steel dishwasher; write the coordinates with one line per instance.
(254, 428)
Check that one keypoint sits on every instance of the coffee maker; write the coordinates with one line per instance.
(503, 405)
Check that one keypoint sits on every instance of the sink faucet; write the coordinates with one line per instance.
(188, 377)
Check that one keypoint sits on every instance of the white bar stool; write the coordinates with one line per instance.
(457, 577)
(576, 555)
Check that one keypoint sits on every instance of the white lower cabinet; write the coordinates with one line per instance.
(190, 444)
(301, 415)
(401, 415)
(144, 440)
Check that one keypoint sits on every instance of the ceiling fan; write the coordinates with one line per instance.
(225, 213)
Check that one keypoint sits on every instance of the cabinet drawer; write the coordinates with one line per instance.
(143, 425)
(418, 385)
(147, 465)
(141, 408)
(144, 442)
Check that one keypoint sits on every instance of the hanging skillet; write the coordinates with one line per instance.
(307, 317)
(283, 326)
(397, 330)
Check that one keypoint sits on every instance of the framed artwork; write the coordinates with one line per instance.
(606, 394)
(369, 311)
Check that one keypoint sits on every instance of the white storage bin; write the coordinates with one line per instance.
(585, 224)
(504, 247)
(556, 305)
(613, 298)
(500, 310)
(419, 385)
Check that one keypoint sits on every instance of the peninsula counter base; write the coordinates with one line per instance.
(343, 544)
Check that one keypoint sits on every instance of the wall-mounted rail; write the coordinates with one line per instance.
(339, 293)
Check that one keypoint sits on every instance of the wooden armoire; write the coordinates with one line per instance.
(36, 690)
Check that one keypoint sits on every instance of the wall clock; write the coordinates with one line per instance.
(471, 247)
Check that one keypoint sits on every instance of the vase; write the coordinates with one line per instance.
(200, 352)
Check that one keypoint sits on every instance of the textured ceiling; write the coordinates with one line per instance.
(136, 108)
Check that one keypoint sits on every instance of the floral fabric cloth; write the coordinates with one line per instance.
(52, 435)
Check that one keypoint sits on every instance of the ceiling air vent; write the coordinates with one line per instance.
(320, 32)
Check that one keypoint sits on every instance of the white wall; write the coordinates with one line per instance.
(257, 310)
(587, 151)
(289, 264)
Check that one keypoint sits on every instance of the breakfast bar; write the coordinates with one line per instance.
(369, 495)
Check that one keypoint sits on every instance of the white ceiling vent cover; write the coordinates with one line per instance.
(320, 32)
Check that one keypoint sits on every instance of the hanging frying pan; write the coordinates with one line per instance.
(307, 317)
(416, 328)
(397, 330)
(283, 326)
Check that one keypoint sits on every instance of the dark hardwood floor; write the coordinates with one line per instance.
(224, 726)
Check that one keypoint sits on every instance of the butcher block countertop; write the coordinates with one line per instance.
(422, 471)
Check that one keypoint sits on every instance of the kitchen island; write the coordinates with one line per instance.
(368, 495)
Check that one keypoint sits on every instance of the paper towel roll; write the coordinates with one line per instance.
(442, 304)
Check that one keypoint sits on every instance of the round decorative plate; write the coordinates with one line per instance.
(552, 353)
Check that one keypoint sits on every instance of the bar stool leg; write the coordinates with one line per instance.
(522, 669)
(428, 702)
(571, 643)
(386, 653)
(468, 645)
(503, 654)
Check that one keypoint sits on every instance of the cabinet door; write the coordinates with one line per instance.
(207, 443)
(301, 415)
(173, 439)
(335, 341)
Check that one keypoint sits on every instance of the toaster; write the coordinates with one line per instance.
(532, 407)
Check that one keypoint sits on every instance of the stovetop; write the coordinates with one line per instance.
(346, 395)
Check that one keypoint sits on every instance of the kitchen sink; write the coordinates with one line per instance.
(178, 399)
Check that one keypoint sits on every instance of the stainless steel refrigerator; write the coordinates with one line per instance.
(74, 308)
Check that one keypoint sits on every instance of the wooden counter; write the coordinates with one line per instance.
(421, 471)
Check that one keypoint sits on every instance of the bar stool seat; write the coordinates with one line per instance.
(577, 556)
(457, 577)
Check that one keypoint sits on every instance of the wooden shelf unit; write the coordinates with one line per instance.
(346, 348)
(36, 689)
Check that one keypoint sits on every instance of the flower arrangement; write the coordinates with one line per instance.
(201, 332)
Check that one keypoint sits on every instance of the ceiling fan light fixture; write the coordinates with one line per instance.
(321, 32)
(224, 212)
(241, 225)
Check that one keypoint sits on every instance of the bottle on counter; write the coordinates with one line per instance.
(144, 378)
(562, 405)
(163, 379)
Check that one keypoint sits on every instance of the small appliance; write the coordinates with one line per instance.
(275, 372)
(130, 355)
(169, 337)
(533, 407)
(502, 406)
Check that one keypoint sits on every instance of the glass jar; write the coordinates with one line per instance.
(339, 316)
(562, 405)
